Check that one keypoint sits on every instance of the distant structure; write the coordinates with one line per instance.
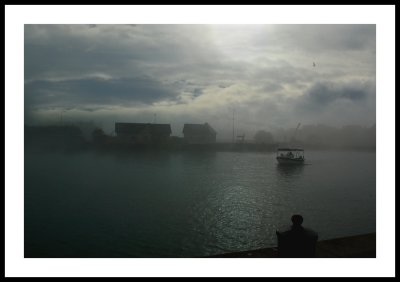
(199, 134)
(143, 133)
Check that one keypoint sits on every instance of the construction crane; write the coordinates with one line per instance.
(294, 136)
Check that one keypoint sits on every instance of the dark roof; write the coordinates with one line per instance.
(198, 128)
(289, 149)
(136, 128)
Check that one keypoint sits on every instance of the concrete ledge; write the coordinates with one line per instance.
(360, 246)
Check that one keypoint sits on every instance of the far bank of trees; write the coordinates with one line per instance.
(321, 136)
(263, 137)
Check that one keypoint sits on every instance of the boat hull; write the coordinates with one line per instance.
(290, 161)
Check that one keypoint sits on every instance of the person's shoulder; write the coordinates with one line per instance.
(283, 230)
(310, 232)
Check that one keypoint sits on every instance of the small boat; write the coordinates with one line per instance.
(290, 156)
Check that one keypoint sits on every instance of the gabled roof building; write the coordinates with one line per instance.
(199, 134)
(143, 133)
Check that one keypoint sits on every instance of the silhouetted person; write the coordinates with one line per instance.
(297, 242)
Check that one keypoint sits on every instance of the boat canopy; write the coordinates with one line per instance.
(289, 149)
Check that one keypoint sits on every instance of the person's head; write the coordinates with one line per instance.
(297, 220)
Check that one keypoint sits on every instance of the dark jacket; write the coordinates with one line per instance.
(297, 242)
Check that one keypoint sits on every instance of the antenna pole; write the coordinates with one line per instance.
(233, 125)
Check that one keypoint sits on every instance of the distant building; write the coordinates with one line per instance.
(143, 133)
(199, 134)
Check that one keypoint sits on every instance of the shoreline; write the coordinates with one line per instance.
(217, 147)
(358, 246)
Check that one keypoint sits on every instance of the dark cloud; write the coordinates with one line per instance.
(65, 54)
(325, 93)
(322, 38)
(155, 50)
(82, 92)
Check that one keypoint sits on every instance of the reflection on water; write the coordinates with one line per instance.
(289, 170)
(188, 204)
(289, 176)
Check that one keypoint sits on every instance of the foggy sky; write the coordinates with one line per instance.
(200, 73)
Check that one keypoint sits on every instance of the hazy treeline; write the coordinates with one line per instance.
(82, 135)
(324, 136)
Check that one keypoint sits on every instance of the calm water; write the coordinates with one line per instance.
(189, 204)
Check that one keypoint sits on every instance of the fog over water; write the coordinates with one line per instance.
(188, 204)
